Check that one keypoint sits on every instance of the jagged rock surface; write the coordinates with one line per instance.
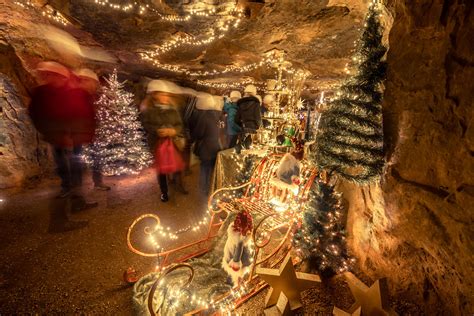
(416, 228)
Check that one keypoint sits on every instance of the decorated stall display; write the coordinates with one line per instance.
(238, 251)
(287, 175)
(282, 105)
(289, 131)
(289, 169)
(219, 273)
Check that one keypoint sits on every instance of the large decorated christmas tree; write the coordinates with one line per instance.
(119, 146)
(350, 135)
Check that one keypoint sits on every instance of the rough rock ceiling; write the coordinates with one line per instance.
(317, 35)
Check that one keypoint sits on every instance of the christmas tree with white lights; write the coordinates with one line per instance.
(119, 145)
(350, 135)
(321, 240)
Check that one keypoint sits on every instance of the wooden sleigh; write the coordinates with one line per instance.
(276, 206)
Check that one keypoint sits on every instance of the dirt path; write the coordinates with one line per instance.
(80, 271)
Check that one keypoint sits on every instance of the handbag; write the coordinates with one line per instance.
(179, 142)
(167, 158)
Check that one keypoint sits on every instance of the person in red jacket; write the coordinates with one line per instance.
(64, 114)
(65, 118)
(89, 82)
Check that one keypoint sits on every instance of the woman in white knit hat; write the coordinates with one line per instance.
(162, 121)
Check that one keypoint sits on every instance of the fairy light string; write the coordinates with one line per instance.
(136, 7)
(47, 11)
(222, 26)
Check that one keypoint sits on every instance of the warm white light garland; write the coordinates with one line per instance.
(267, 60)
(46, 11)
(142, 9)
(201, 73)
(223, 25)
(231, 85)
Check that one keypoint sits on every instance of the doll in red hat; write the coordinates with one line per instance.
(237, 250)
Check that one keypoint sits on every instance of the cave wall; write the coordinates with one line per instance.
(416, 226)
(23, 155)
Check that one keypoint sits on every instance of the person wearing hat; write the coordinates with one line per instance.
(248, 117)
(46, 108)
(230, 108)
(206, 128)
(162, 120)
(268, 103)
(64, 115)
(53, 109)
(89, 83)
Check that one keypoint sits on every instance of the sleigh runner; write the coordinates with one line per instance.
(275, 207)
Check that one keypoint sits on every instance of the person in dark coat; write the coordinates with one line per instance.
(205, 135)
(161, 121)
(189, 105)
(248, 117)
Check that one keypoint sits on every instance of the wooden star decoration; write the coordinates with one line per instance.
(372, 301)
(287, 281)
(339, 312)
(282, 308)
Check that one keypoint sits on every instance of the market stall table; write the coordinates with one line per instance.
(229, 166)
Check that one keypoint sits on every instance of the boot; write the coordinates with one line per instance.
(164, 197)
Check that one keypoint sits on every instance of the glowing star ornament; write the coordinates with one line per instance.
(300, 104)
(371, 301)
(287, 281)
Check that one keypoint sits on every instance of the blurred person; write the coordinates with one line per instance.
(64, 118)
(230, 108)
(205, 135)
(268, 103)
(248, 117)
(162, 122)
(262, 109)
(187, 107)
(267, 108)
(222, 122)
(64, 115)
(89, 82)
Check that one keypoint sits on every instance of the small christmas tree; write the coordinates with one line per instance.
(320, 241)
(119, 146)
(350, 136)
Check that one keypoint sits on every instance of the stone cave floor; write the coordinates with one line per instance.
(80, 271)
